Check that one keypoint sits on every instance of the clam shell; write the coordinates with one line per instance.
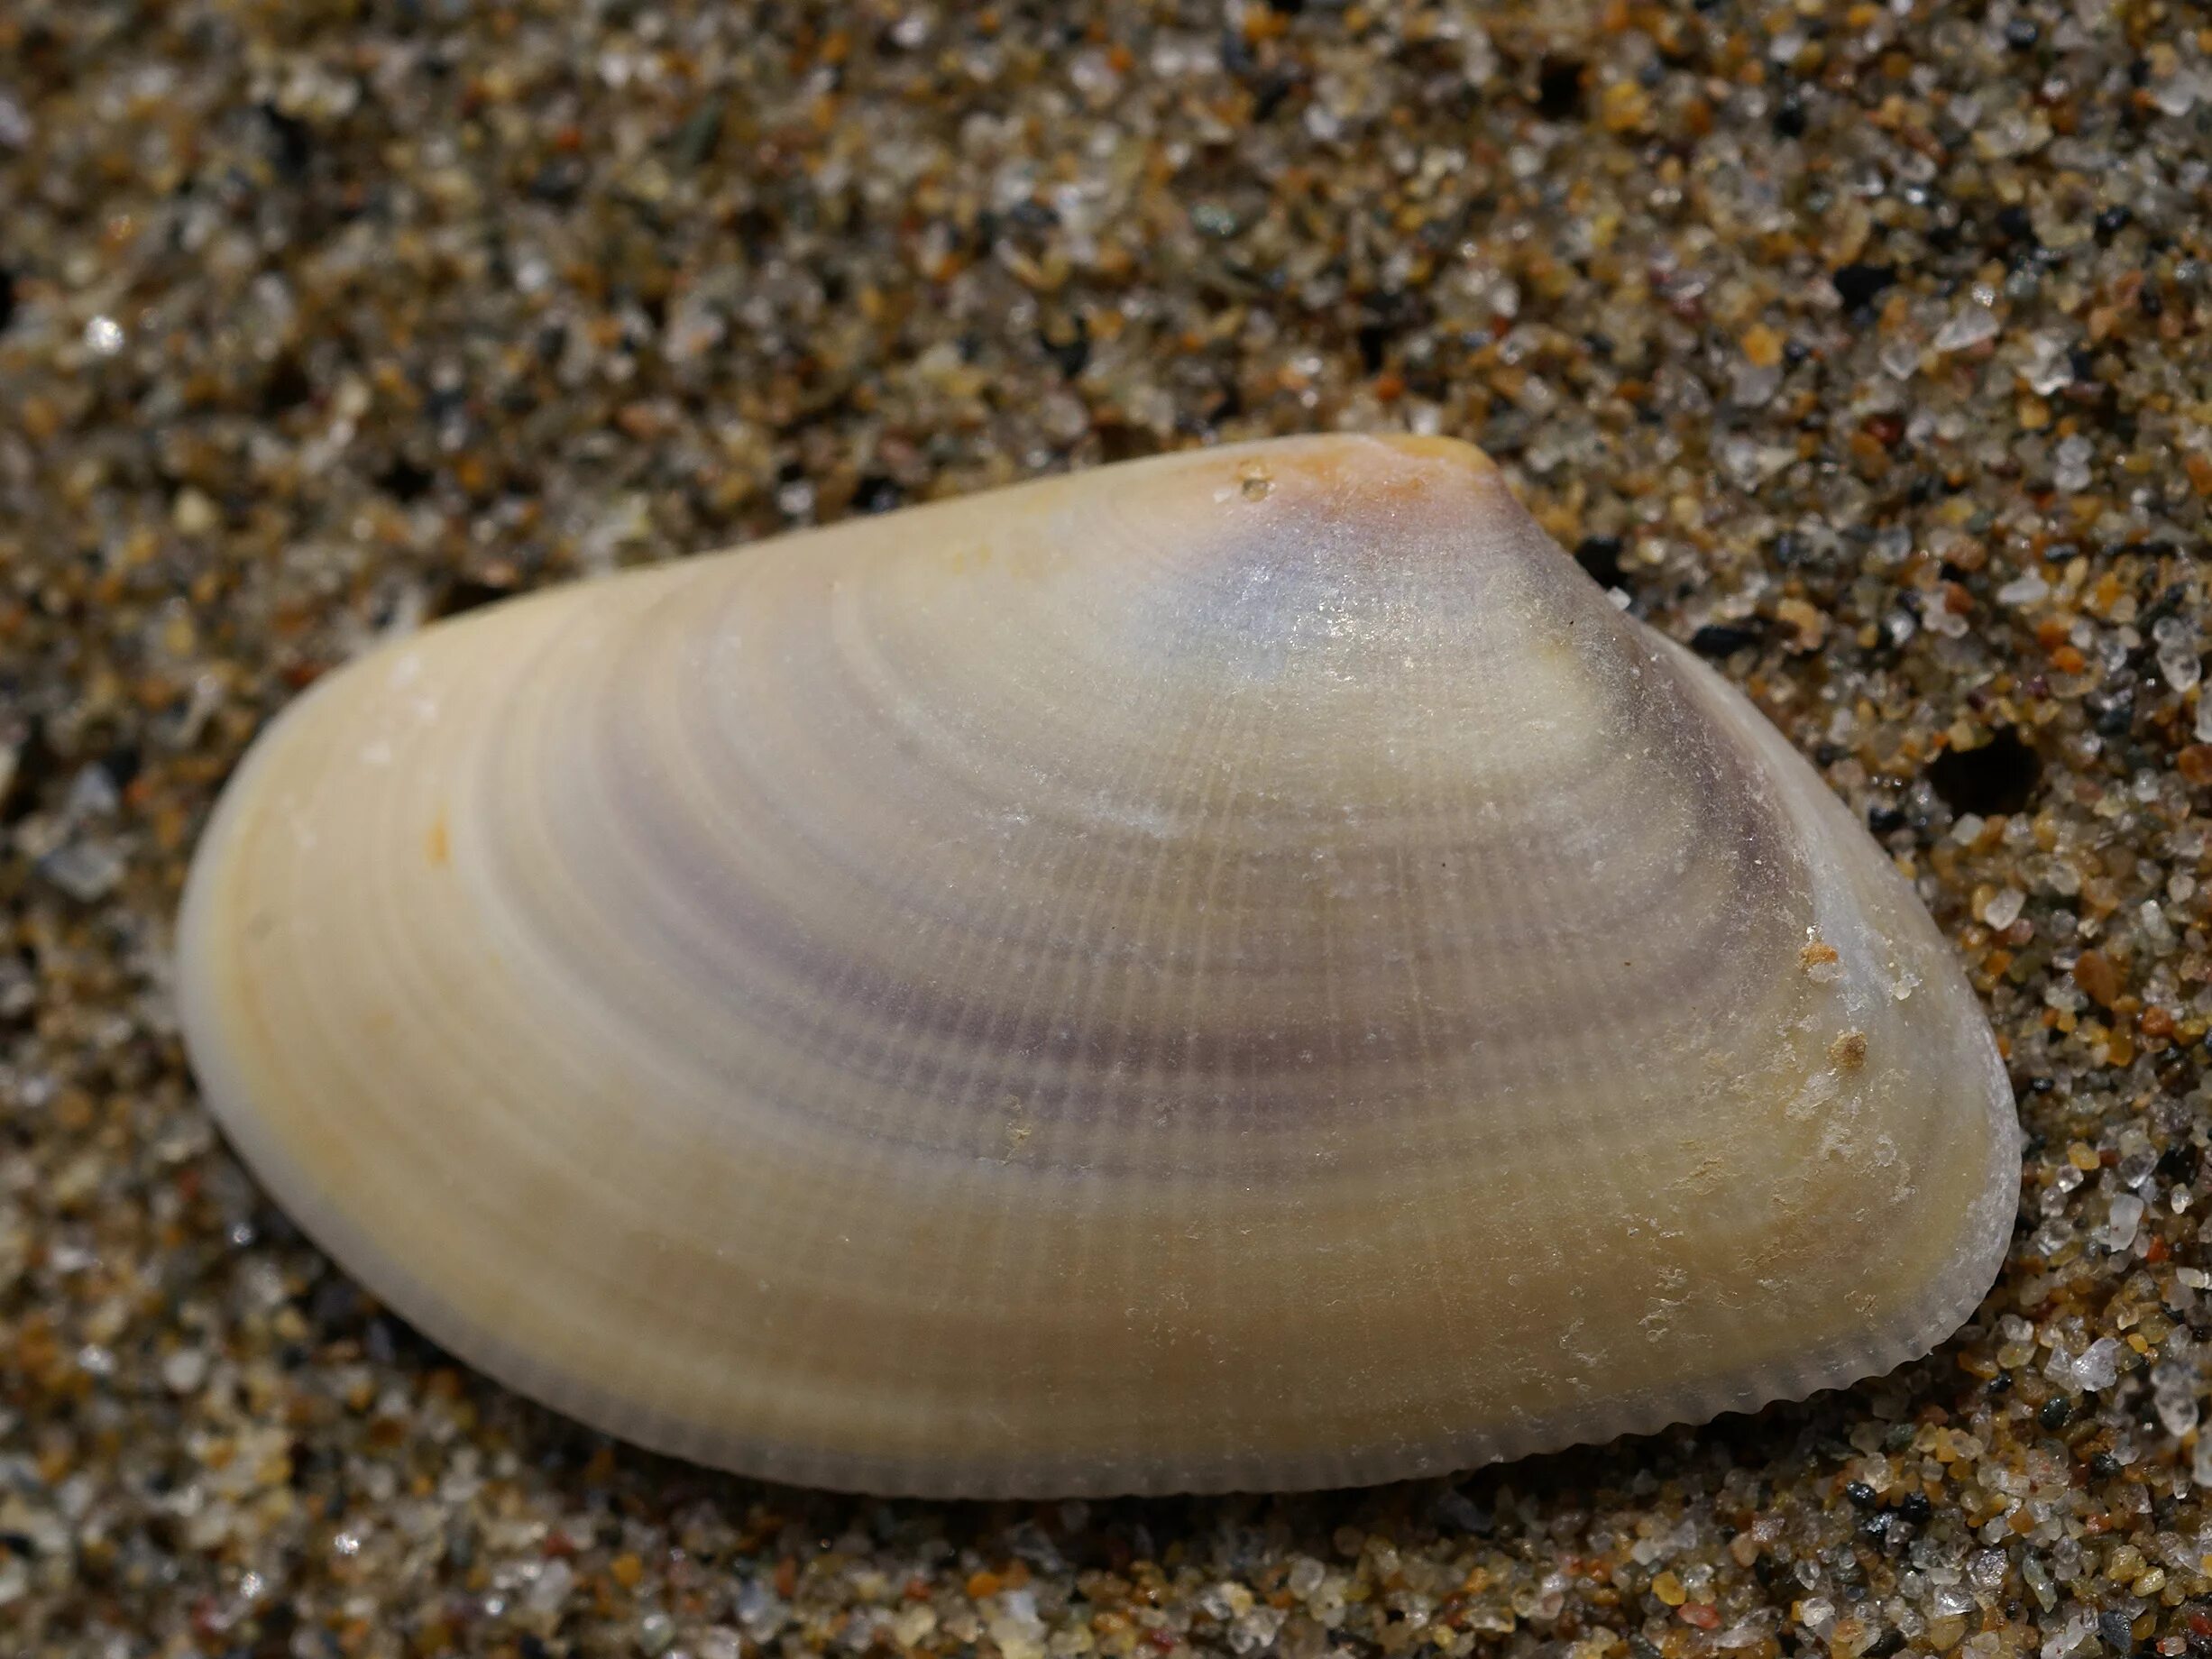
(1237, 970)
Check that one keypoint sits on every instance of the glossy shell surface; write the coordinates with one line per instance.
(1237, 970)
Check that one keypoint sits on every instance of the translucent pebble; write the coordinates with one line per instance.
(1477, 59)
(1015, 1627)
(551, 1588)
(1969, 328)
(2177, 93)
(1256, 1630)
(1901, 359)
(1063, 417)
(1225, 1600)
(2098, 1368)
(19, 992)
(2119, 1233)
(1538, 397)
(914, 1624)
(1750, 464)
(2071, 1634)
(1950, 1601)
(2004, 908)
(1093, 75)
(2179, 664)
(2173, 1394)
(2073, 472)
(183, 1371)
(760, 1610)
(2028, 590)
(92, 794)
(2039, 1583)
(693, 330)
(2150, 919)
(2048, 366)
(2010, 133)
(1752, 386)
(87, 871)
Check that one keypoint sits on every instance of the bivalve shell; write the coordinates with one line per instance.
(1237, 970)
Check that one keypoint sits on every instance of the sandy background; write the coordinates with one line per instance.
(1868, 346)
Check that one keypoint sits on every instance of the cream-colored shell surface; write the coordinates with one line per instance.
(1237, 970)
